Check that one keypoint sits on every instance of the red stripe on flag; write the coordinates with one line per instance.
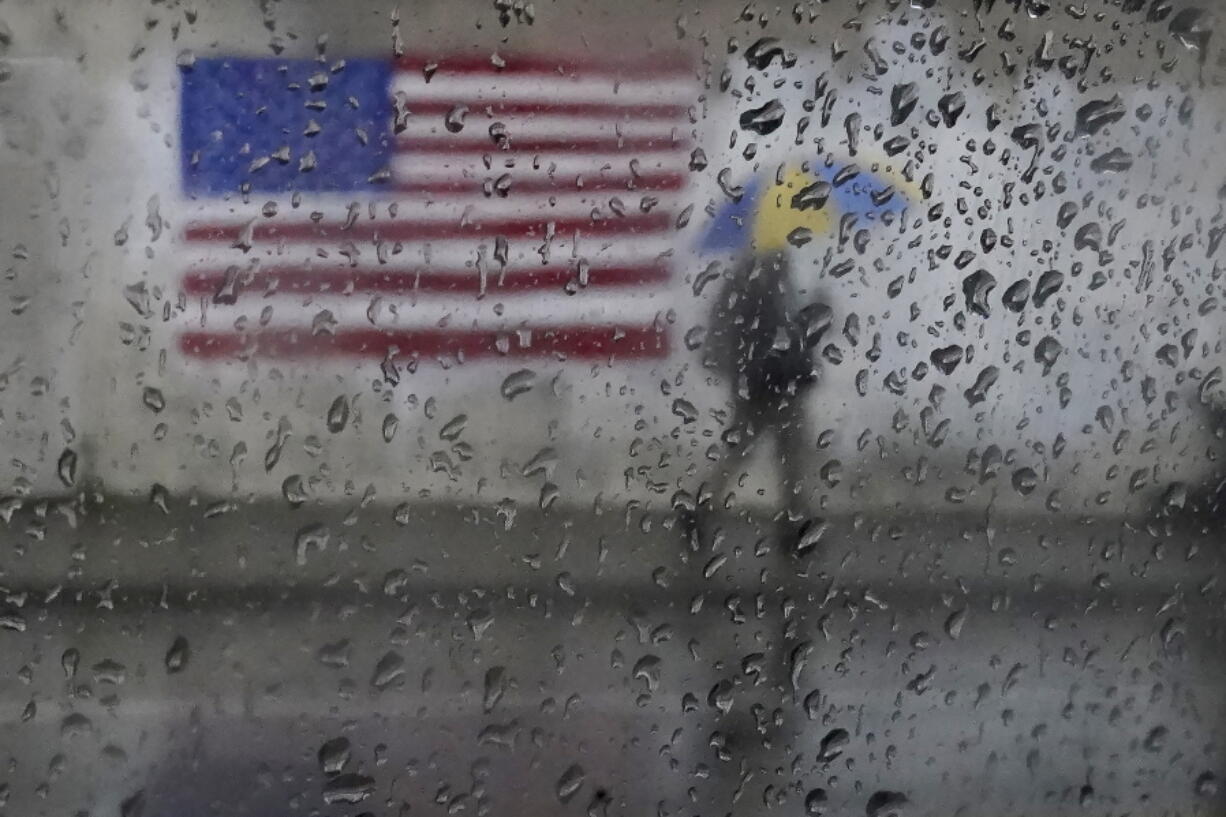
(648, 182)
(534, 228)
(563, 342)
(306, 280)
(539, 144)
(637, 111)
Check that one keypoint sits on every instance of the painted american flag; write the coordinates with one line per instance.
(452, 208)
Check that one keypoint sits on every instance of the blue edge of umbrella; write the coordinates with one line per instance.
(732, 228)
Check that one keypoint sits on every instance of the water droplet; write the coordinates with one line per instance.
(946, 358)
(12, 620)
(811, 533)
(954, 623)
(1049, 283)
(312, 537)
(977, 393)
(134, 805)
(1187, 28)
(570, 782)
(800, 236)
(66, 467)
(815, 320)
(454, 120)
(1065, 215)
(495, 688)
(453, 428)
(334, 755)
(338, 415)
(832, 744)
(647, 669)
(1025, 480)
(479, 621)
(734, 192)
(815, 802)
(1175, 496)
(1017, 295)
(851, 126)
(389, 670)
(1047, 351)
(884, 803)
(813, 705)
(1116, 160)
(335, 654)
(110, 672)
(75, 725)
(70, 659)
(348, 788)
(137, 296)
(720, 696)
(323, 323)
(813, 196)
(902, 102)
(517, 383)
(764, 120)
(976, 287)
(1096, 114)
(153, 217)
(1027, 136)
(686, 410)
(499, 135)
(951, 106)
(294, 490)
(178, 655)
(896, 145)
(760, 54)
(1155, 741)
(153, 399)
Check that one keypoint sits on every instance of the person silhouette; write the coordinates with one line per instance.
(761, 342)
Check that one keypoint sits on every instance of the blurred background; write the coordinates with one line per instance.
(373, 434)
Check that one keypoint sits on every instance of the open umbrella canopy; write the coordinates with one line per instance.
(804, 203)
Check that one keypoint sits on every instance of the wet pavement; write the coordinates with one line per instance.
(473, 656)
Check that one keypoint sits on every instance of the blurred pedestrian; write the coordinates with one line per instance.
(761, 341)
(1203, 503)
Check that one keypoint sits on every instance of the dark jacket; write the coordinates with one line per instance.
(759, 336)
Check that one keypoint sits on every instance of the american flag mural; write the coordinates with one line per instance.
(454, 207)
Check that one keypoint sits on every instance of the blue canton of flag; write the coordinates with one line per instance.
(284, 125)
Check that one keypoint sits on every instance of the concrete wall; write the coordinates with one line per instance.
(96, 86)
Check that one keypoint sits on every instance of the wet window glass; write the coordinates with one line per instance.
(605, 409)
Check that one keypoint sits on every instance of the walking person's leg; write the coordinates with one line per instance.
(767, 738)
(795, 456)
(773, 752)
(740, 438)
